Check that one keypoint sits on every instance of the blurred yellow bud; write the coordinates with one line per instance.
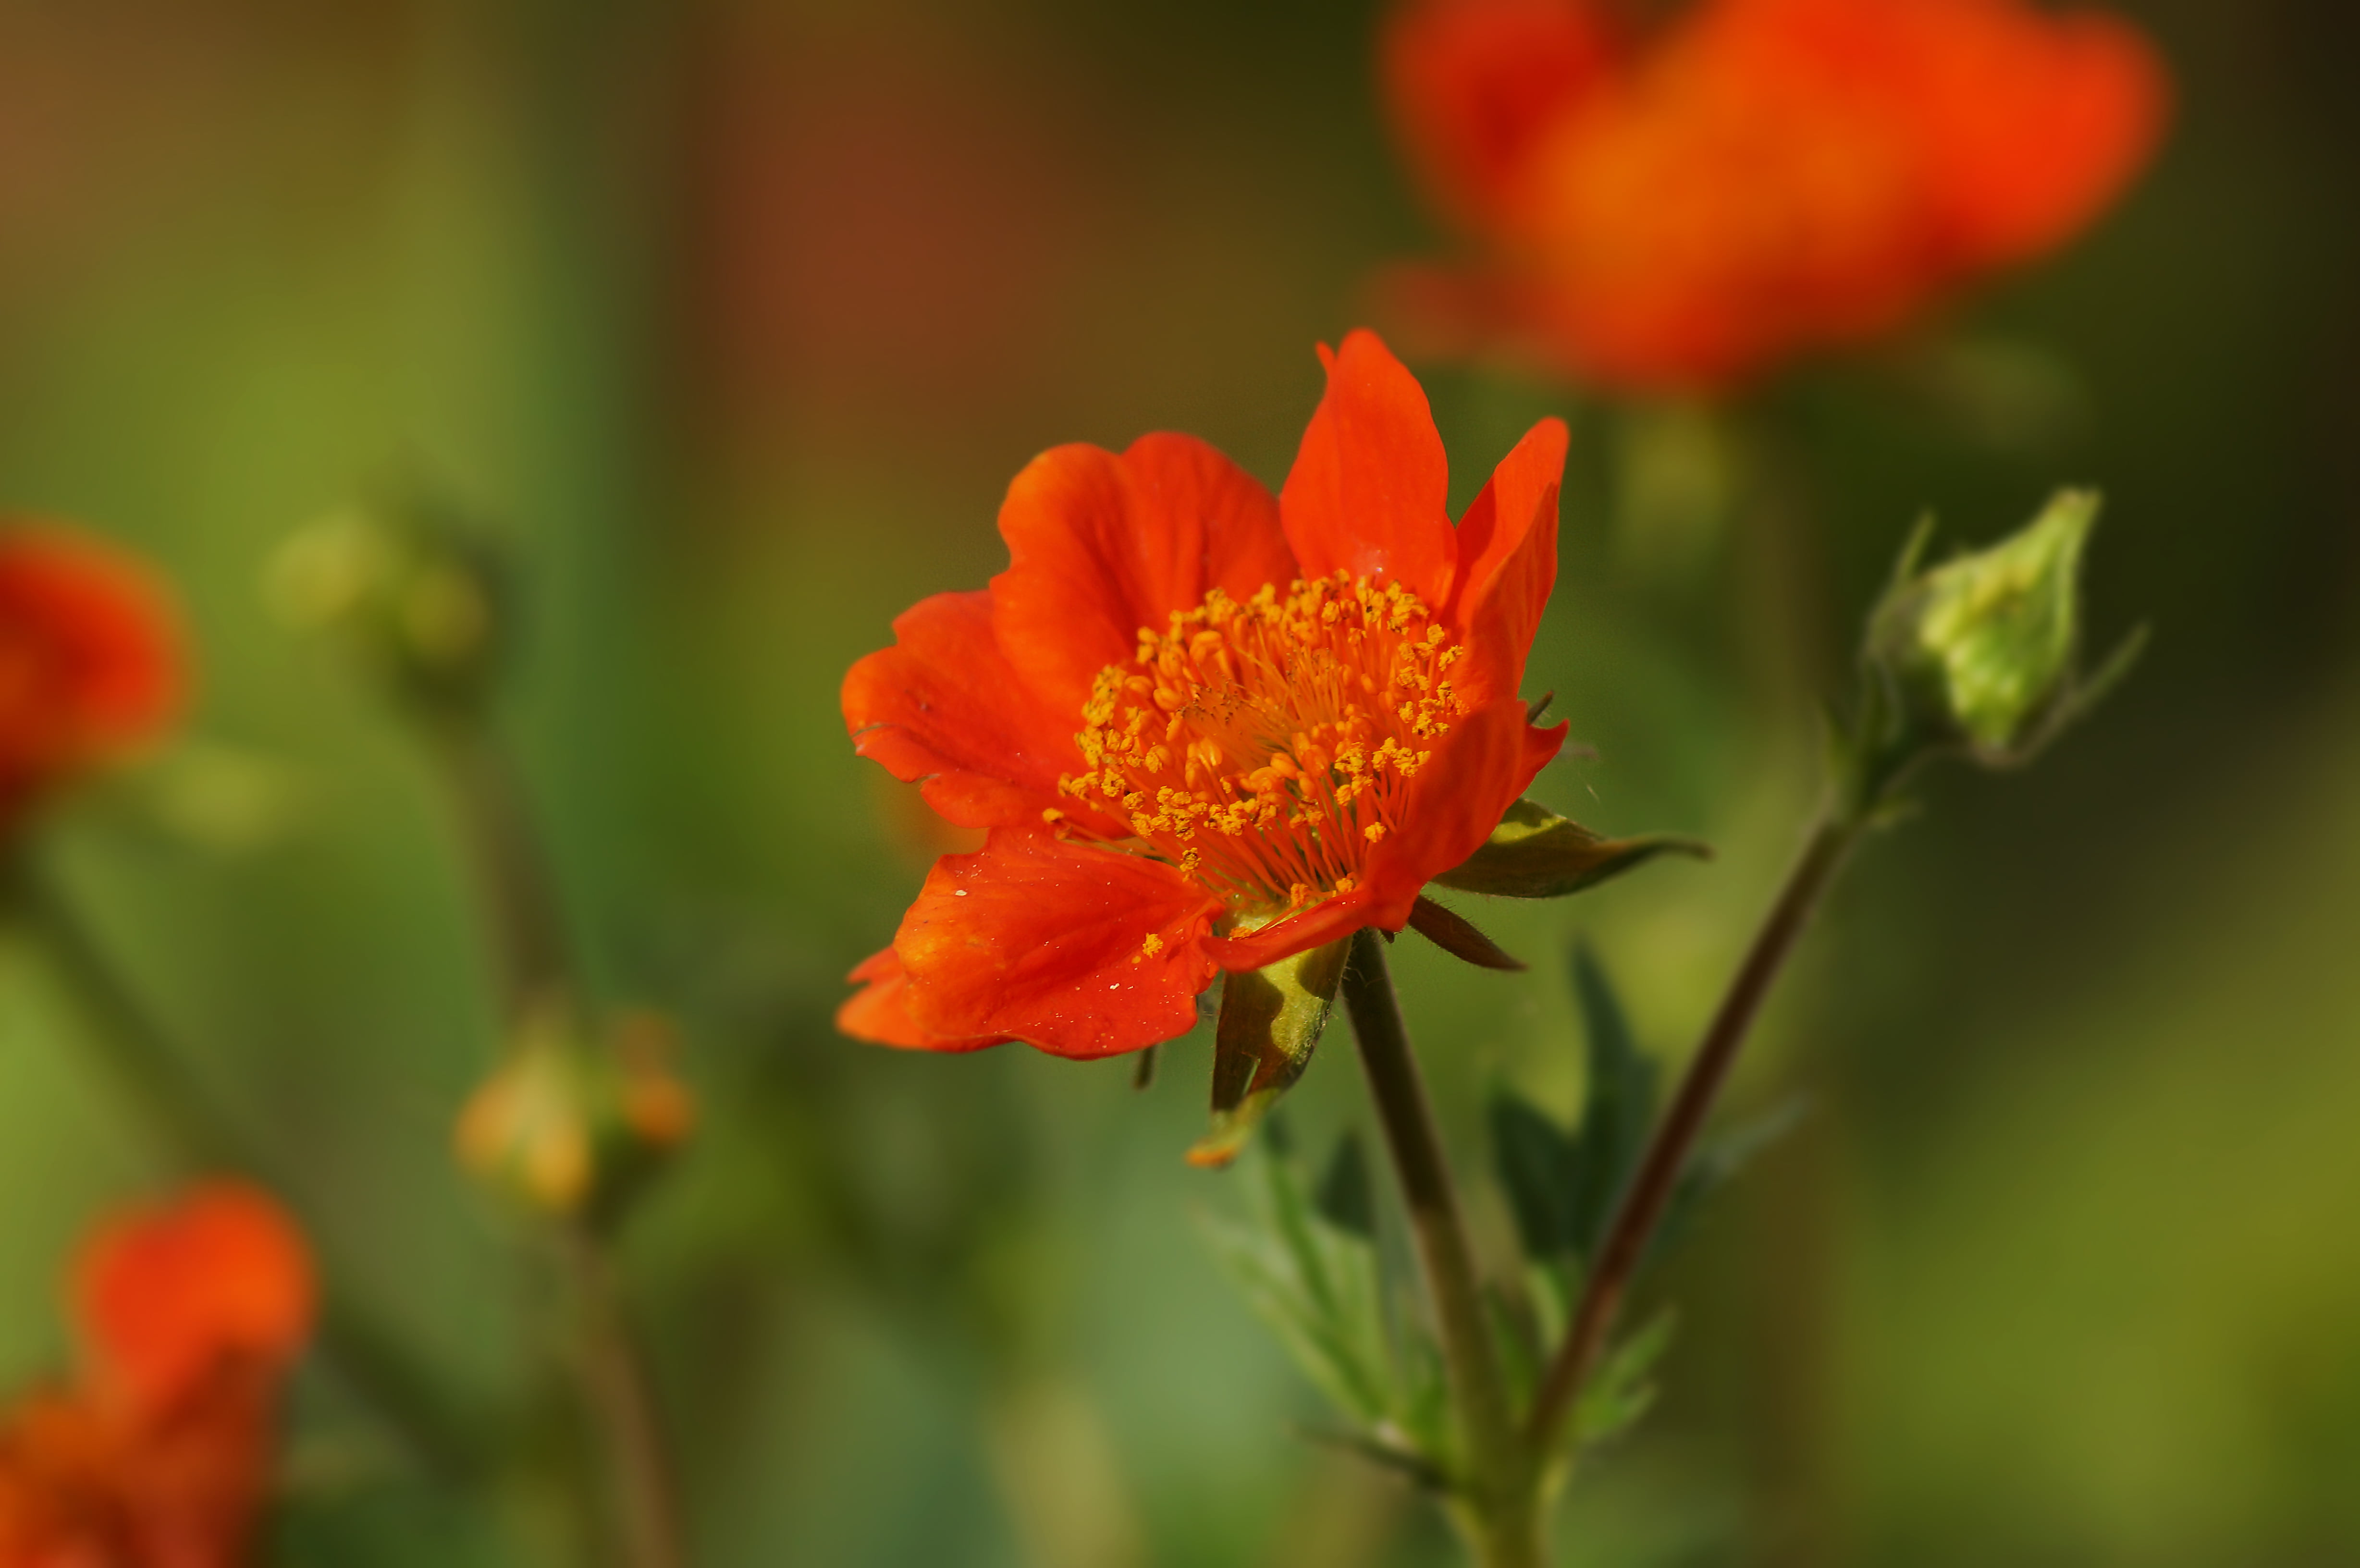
(570, 1126)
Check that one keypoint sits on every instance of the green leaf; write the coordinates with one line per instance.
(1621, 1390)
(1538, 1164)
(1618, 1109)
(1320, 1288)
(1346, 1198)
(1271, 1021)
(1562, 1186)
(1535, 854)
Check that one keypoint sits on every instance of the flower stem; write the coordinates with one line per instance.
(528, 944)
(1499, 1490)
(614, 1386)
(152, 1073)
(528, 937)
(1642, 1207)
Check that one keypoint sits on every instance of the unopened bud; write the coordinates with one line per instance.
(570, 1126)
(1981, 655)
(415, 597)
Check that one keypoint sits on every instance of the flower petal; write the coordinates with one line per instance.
(166, 1296)
(1478, 772)
(943, 704)
(2034, 123)
(1369, 491)
(1101, 545)
(1322, 923)
(876, 1012)
(1472, 83)
(1080, 951)
(1507, 553)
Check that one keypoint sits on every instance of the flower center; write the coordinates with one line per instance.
(1266, 746)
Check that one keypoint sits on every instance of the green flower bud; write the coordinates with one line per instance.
(1979, 656)
(409, 591)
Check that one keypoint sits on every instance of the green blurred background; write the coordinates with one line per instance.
(734, 319)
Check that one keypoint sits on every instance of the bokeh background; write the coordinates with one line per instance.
(733, 318)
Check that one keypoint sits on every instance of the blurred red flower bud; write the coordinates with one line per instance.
(90, 659)
(190, 1313)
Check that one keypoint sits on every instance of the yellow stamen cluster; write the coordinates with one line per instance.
(1266, 746)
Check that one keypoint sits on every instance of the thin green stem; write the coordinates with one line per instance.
(528, 936)
(528, 942)
(152, 1073)
(614, 1385)
(1500, 1501)
(1642, 1207)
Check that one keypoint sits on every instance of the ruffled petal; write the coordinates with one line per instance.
(1479, 770)
(1101, 545)
(1369, 491)
(943, 705)
(876, 1012)
(1507, 549)
(1080, 951)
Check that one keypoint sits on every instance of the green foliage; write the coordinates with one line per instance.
(1562, 1185)
(1535, 854)
(1311, 1267)
(1622, 1389)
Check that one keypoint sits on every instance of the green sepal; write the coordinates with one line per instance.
(1271, 1021)
(1535, 854)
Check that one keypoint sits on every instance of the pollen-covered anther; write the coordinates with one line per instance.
(1289, 721)
(1148, 949)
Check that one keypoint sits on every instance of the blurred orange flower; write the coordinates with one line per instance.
(90, 663)
(189, 1315)
(1208, 729)
(1676, 211)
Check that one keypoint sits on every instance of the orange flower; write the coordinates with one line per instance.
(1206, 730)
(1761, 177)
(89, 658)
(191, 1315)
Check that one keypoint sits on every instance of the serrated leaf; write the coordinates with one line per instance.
(1271, 1021)
(1320, 1286)
(1622, 1389)
(1537, 1162)
(1536, 853)
(1618, 1109)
